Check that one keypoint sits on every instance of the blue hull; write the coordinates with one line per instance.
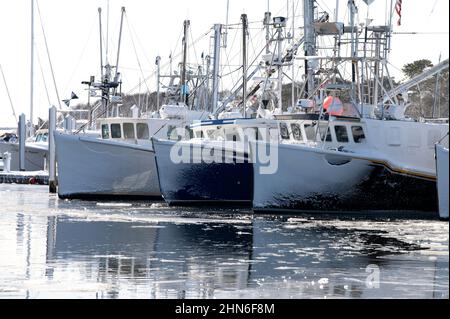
(203, 183)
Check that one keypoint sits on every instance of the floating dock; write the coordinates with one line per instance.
(28, 178)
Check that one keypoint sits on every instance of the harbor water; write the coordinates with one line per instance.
(52, 248)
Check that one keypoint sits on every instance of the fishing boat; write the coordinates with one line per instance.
(214, 167)
(121, 163)
(36, 152)
(380, 159)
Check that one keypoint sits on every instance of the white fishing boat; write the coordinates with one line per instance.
(121, 162)
(359, 166)
(36, 152)
(380, 160)
(442, 166)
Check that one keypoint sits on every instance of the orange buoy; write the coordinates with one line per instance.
(333, 106)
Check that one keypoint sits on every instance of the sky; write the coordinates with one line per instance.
(153, 28)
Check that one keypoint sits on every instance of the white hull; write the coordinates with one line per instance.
(443, 182)
(91, 167)
(305, 174)
(312, 179)
(36, 155)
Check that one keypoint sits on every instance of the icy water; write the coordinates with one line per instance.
(73, 249)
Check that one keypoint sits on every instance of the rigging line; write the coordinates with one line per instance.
(136, 53)
(43, 78)
(48, 55)
(228, 56)
(168, 63)
(193, 46)
(80, 57)
(251, 64)
(140, 44)
(9, 95)
(434, 7)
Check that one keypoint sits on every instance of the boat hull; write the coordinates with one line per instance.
(442, 164)
(35, 156)
(91, 168)
(202, 184)
(311, 179)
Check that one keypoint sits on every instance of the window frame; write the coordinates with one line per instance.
(133, 130)
(145, 136)
(339, 138)
(361, 137)
(114, 136)
(108, 131)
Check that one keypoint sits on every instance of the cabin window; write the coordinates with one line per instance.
(327, 138)
(233, 136)
(175, 133)
(215, 134)
(128, 131)
(189, 132)
(325, 132)
(341, 134)
(199, 134)
(116, 131)
(296, 132)
(310, 131)
(142, 131)
(105, 131)
(40, 138)
(172, 133)
(284, 131)
(358, 134)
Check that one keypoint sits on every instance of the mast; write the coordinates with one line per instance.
(101, 42)
(183, 68)
(310, 44)
(279, 24)
(293, 59)
(158, 79)
(217, 36)
(352, 9)
(32, 69)
(120, 42)
(244, 62)
(267, 24)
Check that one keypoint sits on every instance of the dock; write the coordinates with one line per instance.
(24, 178)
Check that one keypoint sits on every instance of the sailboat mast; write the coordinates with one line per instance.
(32, 68)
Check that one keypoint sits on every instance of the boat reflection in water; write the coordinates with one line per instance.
(50, 248)
(139, 251)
